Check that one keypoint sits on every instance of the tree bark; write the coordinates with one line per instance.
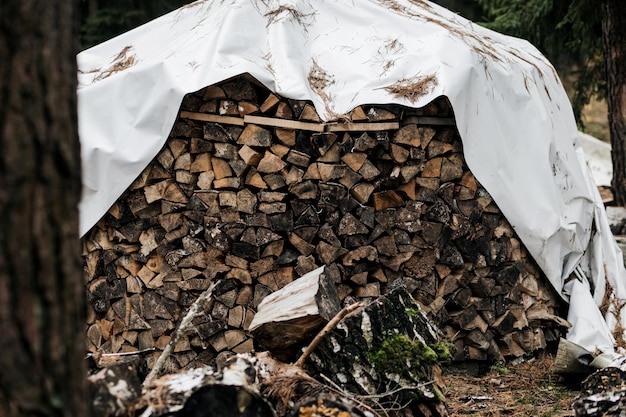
(614, 45)
(41, 289)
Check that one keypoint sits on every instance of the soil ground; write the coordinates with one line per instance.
(528, 388)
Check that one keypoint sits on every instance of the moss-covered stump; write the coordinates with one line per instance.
(388, 350)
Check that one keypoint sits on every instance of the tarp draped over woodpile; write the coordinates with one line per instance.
(517, 127)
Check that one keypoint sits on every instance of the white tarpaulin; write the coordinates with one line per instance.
(514, 118)
(598, 155)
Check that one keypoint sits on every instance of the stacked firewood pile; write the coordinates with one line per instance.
(252, 191)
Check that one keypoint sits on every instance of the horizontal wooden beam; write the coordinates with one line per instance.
(205, 117)
(318, 127)
(283, 123)
(356, 127)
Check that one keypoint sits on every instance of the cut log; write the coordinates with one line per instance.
(309, 114)
(247, 386)
(287, 318)
(205, 391)
(116, 388)
(270, 163)
(254, 135)
(386, 199)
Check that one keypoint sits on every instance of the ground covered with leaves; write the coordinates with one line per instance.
(520, 388)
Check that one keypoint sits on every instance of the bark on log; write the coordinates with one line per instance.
(388, 349)
(115, 389)
(233, 391)
(608, 403)
(246, 385)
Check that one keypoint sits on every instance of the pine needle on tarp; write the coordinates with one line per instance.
(412, 88)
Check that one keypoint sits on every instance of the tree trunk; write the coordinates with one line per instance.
(614, 44)
(41, 289)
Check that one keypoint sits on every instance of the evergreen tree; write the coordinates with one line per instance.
(586, 35)
(105, 19)
(568, 32)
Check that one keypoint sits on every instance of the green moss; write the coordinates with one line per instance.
(500, 367)
(444, 351)
(412, 312)
(398, 354)
(407, 357)
(438, 394)
(429, 355)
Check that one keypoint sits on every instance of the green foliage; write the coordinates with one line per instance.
(467, 8)
(500, 367)
(583, 22)
(516, 17)
(105, 19)
(568, 32)
(107, 23)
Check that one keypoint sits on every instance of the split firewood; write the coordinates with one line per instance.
(194, 310)
(290, 316)
(254, 199)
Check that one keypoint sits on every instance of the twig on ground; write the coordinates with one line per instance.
(356, 398)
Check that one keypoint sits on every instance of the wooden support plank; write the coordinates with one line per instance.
(205, 117)
(292, 124)
(284, 123)
(359, 127)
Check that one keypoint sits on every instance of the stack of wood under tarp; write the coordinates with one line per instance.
(252, 191)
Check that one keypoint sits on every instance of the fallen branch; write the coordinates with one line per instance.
(329, 326)
(193, 311)
(112, 355)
